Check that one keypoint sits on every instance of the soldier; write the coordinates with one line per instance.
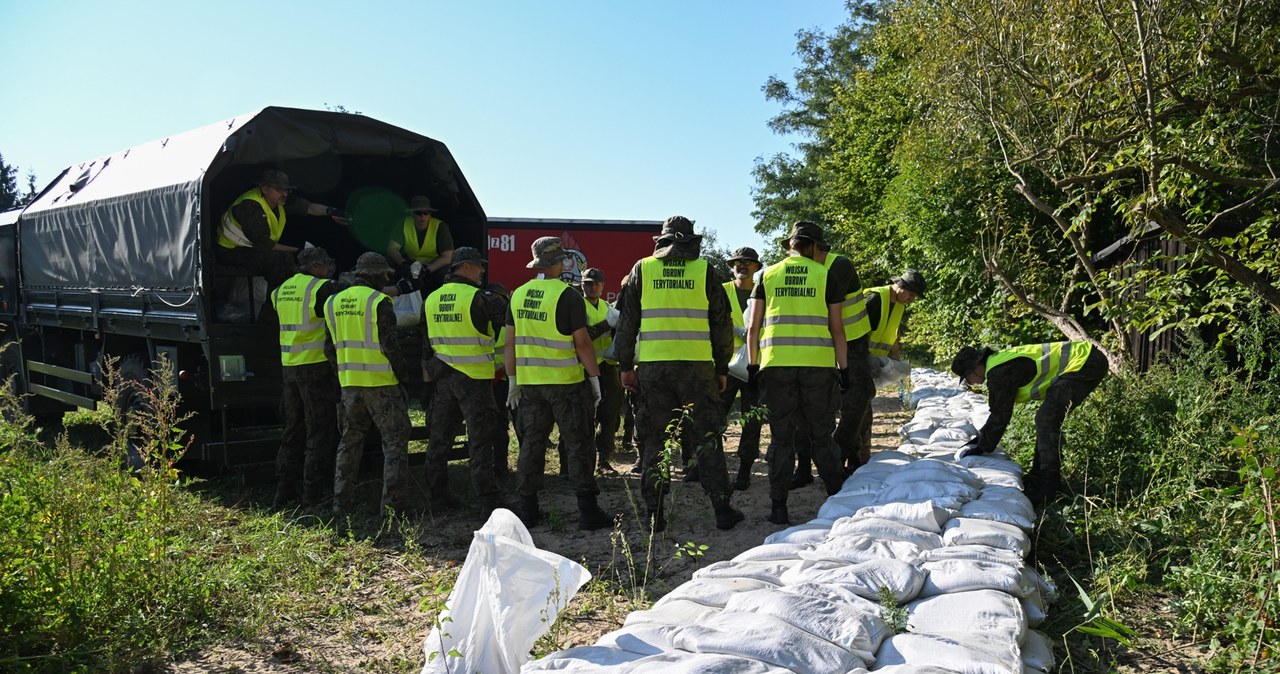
(1062, 374)
(860, 387)
(795, 336)
(745, 263)
(362, 346)
(547, 353)
(423, 247)
(674, 304)
(601, 332)
(886, 306)
(457, 356)
(498, 301)
(308, 403)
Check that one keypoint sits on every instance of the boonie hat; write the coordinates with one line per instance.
(678, 229)
(371, 263)
(276, 178)
(803, 229)
(419, 204)
(467, 254)
(911, 280)
(965, 362)
(313, 255)
(594, 275)
(547, 251)
(745, 253)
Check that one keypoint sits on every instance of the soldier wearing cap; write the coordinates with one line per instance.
(457, 356)
(745, 262)
(1061, 374)
(797, 346)
(886, 307)
(250, 230)
(674, 305)
(423, 248)
(553, 379)
(308, 402)
(362, 347)
(600, 330)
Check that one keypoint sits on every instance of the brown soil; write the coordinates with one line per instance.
(381, 627)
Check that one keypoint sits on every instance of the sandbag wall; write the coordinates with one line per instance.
(916, 565)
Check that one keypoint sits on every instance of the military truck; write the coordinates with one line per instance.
(115, 257)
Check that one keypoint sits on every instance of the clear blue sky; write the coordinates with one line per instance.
(604, 109)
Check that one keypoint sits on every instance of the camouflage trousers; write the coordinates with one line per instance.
(1066, 392)
(667, 389)
(460, 396)
(386, 408)
(749, 443)
(855, 406)
(608, 414)
(802, 405)
(569, 407)
(309, 410)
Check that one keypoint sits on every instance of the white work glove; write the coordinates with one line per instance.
(513, 392)
(415, 270)
(969, 449)
(611, 316)
(875, 365)
(595, 388)
(740, 331)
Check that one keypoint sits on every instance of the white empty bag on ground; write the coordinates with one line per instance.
(408, 309)
(987, 612)
(767, 639)
(885, 530)
(964, 575)
(1037, 653)
(858, 628)
(965, 654)
(970, 531)
(925, 516)
(507, 596)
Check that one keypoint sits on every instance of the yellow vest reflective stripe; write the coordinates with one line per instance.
(796, 332)
(1052, 361)
(595, 314)
(427, 252)
(736, 309)
(853, 310)
(301, 332)
(231, 234)
(543, 355)
(454, 337)
(352, 319)
(886, 332)
(673, 311)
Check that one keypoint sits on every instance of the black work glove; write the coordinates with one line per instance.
(340, 216)
(405, 286)
(844, 379)
(753, 375)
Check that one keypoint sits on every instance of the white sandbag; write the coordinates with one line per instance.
(970, 531)
(862, 483)
(993, 461)
(864, 579)
(857, 628)
(891, 371)
(1037, 653)
(674, 612)
(834, 592)
(684, 662)
(844, 504)
(1034, 610)
(945, 494)
(933, 470)
(1014, 511)
(963, 575)
(984, 553)
(988, 612)
(507, 596)
(925, 516)
(642, 638)
(809, 532)
(712, 591)
(889, 458)
(854, 549)
(950, 436)
(408, 309)
(767, 639)
(768, 571)
(1048, 591)
(963, 653)
(991, 476)
(581, 659)
(915, 669)
(771, 551)
(885, 530)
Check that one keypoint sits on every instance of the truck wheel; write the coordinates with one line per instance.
(135, 374)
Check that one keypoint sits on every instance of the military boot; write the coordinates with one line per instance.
(488, 503)
(590, 516)
(727, 516)
(656, 521)
(778, 513)
(743, 480)
(528, 511)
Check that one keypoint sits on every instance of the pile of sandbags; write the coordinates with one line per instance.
(916, 565)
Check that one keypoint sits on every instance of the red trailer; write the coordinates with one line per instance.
(611, 245)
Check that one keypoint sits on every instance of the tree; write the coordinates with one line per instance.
(10, 196)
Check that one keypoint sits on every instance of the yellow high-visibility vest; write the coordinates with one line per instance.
(500, 350)
(736, 308)
(543, 354)
(853, 310)
(595, 314)
(886, 332)
(352, 319)
(796, 332)
(1052, 361)
(673, 311)
(231, 234)
(454, 337)
(427, 251)
(301, 331)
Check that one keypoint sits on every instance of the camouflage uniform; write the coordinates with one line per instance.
(569, 407)
(309, 408)
(458, 395)
(386, 408)
(608, 414)
(667, 386)
(855, 407)
(802, 402)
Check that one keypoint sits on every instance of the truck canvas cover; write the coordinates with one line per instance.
(145, 219)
